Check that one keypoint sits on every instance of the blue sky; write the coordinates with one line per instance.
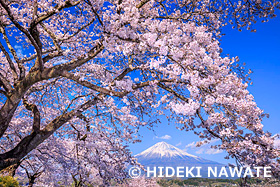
(261, 53)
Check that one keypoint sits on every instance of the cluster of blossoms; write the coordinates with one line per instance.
(78, 79)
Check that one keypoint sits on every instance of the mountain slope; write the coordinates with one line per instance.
(163, 149)
(165, 155)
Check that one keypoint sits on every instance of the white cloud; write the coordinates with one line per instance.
(165, 137)
(200, 151)
(205, 148)
(178, 144)
(213, 151)
(191, 145)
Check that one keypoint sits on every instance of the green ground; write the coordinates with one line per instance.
(216, 182)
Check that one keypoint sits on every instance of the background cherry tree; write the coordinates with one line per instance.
(79, 78)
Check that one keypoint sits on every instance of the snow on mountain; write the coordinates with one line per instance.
(163, 149)
(165, 154)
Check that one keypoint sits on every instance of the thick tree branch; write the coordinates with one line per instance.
(32, 57)
(142, 3)
(5, 83)
(36, 115)
(80, 60)
(3, 92)
(7, 111)
(11, 64)
(53, 37)
(57, 8)
(36, 36)
(174, 92)
(31, 141)
(89, 85)
(29, 35)
(13, 52)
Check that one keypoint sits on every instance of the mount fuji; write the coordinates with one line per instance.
(165, 155)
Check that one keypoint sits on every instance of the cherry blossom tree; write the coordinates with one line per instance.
(92, 162)
(142, 181)
(79, 77)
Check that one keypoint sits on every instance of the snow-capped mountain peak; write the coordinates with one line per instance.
(163, 154)
(164, 150)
